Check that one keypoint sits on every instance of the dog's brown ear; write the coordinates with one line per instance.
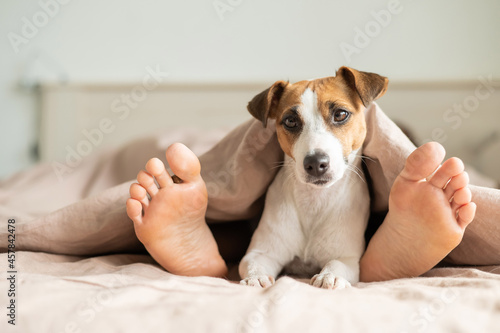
(369, 86)
(265, 104)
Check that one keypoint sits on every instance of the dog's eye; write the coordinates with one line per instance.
(291, 122)
(340, 116)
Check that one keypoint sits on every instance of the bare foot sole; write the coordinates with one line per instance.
(429, 208)
(171, 222)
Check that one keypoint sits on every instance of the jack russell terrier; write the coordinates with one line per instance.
(317, 207)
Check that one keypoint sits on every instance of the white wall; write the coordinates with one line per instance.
(260, 40)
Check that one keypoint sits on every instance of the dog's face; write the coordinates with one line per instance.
(320, 123)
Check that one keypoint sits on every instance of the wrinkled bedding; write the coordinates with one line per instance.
(81, 269)
(129, 293)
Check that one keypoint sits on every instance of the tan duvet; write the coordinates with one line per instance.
(81, 269)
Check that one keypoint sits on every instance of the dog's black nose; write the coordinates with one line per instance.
(316, 164)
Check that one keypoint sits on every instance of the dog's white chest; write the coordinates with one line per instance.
(332, 221)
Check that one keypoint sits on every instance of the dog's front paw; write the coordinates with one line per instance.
(262, 281)
(329, 281)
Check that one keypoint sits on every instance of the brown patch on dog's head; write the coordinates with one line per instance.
(352, 91)
(349, 91)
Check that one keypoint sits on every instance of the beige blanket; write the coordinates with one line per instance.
(81, 269)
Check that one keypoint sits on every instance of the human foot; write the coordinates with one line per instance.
(171, 224)
(429, 210)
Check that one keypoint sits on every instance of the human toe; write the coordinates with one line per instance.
(156, 168)
(147, 181)
(461, 197)
(452, 167)
(134, 210)
(466, 214)
(456, 183)
(423, 161)
(137, 192)
(183, 162)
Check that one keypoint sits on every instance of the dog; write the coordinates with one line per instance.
(317, 208)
